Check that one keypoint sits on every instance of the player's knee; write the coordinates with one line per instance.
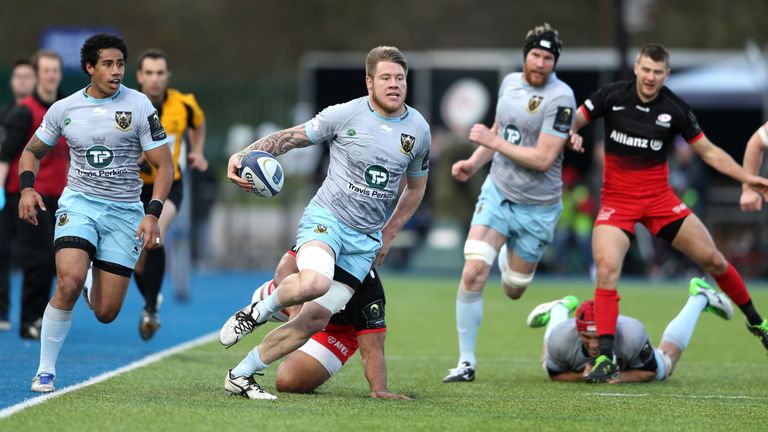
(715, 263)
(288, 383)
(515, 283)
(68, 287)
(106, 315)
(474, 275)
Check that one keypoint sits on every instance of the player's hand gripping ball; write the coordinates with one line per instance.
(263, 172)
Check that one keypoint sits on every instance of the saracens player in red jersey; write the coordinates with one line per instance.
(642, 118)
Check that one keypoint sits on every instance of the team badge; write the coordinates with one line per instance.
(123, 120)
(63, 219)
(534, 103)
(563, 119)
(406, 143)
(321, 229)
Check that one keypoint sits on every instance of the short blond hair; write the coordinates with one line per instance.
(386, 54)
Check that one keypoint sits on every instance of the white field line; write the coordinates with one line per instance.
(677, 396)
(152, 358)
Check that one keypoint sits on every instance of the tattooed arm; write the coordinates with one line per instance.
(276, 144)
(30, 161)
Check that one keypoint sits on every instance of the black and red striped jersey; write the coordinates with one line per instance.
(639, 136)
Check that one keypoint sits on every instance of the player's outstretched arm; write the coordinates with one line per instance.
(196, 154)
(575, 141)
(406, 205)
(633, 376)
(161, 159)
(540, 158)
(567, 376)
(374, 365)
(718, 159)
(753, 160)
(35, 150)
(275, 143)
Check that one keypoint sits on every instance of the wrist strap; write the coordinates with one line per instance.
(27, 180)
(154, 208)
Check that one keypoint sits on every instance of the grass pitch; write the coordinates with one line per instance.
(721, 382)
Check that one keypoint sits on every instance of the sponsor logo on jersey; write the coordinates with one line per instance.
(664, 120)
(343, 350)
(377, 176)
(135, 250)
(315, 124)
(370, 193)
(63, 219)
(123, 120)
(425, 162)
(67, 121)
(618, 108)
(351, 132)
(589, 105)
(605, 213)
(534, 102)
(679, 208)
(642, 108)
(512, 134)
(406, 144)
(99, 156)
(627, 140)
(563, 119)
(374, 314)
(385, 129)
(321, 229)
(155, 127)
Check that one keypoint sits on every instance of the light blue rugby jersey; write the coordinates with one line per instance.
(369, 155)
(106, 138)
(523, 112)
(565, 352)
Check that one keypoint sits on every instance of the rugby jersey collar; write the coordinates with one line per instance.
(388, 119)
(105, 100)
(550, 80)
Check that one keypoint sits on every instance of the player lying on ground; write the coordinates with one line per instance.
(571, 345)
(359, 325)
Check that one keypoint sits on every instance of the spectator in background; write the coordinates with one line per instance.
(35, 242)
(23, 81)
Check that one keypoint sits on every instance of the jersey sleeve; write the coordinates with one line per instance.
(558, 116)
(149, 128)
(198, 116)
(419, 166)
(49, 130)
(691, 131)
(636, 346)
(324, 125)
(594, 106)
(556, 360)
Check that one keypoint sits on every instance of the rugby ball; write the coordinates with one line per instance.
(263, 172)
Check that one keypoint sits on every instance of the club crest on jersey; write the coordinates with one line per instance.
(321, 229)
(123, 120)
(406, 143)
(63, 219)
(534, 103)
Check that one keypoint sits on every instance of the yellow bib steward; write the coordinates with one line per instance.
(178, 112)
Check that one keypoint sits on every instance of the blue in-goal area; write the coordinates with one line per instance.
(93, 348)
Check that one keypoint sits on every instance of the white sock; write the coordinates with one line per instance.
(56, 325)
(557, 314)
(680, 329)
(89, 283)
(267, 307)
(250, 364)
(469, 315)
